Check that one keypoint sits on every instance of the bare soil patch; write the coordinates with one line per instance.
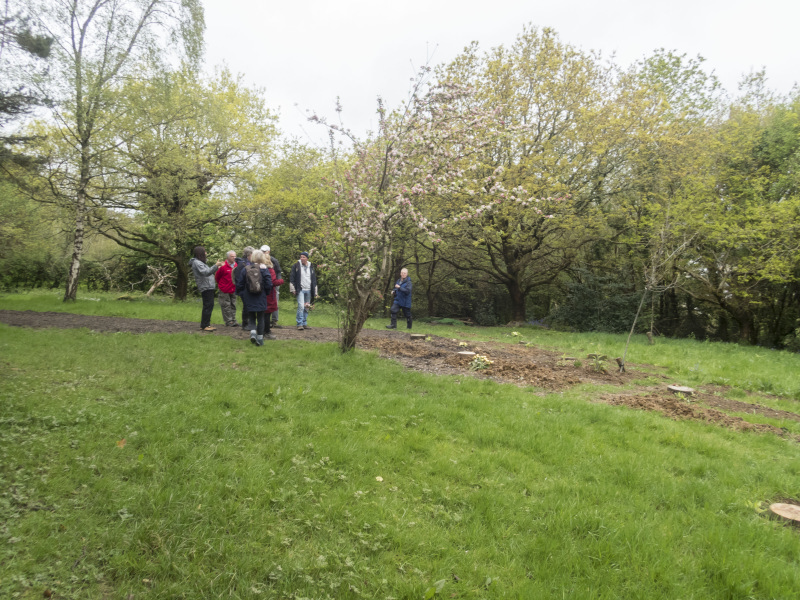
(512, 363)
(680, 409)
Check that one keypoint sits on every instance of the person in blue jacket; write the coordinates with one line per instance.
(241, 263)
(402, 299)
(256, 303)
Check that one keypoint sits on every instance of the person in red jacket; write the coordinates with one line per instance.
(272, 296)
(227, 289)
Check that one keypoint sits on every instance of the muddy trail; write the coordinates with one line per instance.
(645, 388)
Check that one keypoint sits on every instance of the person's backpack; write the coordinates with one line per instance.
(253, 275)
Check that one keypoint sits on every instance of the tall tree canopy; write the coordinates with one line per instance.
(20, 45)
(564, 120)
(188, 151)
(97, 45)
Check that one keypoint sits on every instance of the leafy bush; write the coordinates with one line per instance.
(598, 303)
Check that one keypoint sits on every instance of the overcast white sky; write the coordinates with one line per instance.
(305, 53)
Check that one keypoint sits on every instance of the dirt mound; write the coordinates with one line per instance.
(511, 363)
(680, 409)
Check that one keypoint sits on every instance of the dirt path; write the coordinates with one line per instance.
(512, 363)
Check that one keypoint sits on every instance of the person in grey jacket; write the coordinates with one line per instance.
(206, 284)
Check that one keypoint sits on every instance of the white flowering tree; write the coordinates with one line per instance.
(418, 151)
(567, 131)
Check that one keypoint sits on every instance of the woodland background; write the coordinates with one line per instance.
(536, 182)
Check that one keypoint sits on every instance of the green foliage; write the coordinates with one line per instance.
(480, 363)
(20, 44)
(289, 191)
(26, 240)
(188, 156)
(563, 125)
(598, 303)
(97, 47)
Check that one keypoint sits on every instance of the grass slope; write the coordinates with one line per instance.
(168, 466)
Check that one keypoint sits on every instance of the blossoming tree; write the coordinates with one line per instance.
(417, 150)
(566, 122)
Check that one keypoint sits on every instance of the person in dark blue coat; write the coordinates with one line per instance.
(402, 299)
(255, 303)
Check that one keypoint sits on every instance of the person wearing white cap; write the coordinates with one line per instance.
(277, 266)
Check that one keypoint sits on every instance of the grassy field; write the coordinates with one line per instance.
(694, 363)
(184, 466)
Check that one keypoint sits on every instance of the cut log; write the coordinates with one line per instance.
(417, 336)
(465, 353)
(786, 512)
(680, 389)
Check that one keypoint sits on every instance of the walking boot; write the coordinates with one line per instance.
(253, 337)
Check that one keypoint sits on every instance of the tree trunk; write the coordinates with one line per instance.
(517, 302)
(71, 291)
(748, 333)
(427, 282)
(392, 276)
(722, 327)
(745, 320)
(359, 307)
(430, 294)
(182, 280)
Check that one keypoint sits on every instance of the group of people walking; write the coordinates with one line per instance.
(256, 278)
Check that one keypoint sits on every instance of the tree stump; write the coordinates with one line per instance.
(620, 364)
(786, 512)
(650, 341)
(680, 389)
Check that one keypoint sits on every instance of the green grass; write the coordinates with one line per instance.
(252, 473)
(690, 362)
(137, 306)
